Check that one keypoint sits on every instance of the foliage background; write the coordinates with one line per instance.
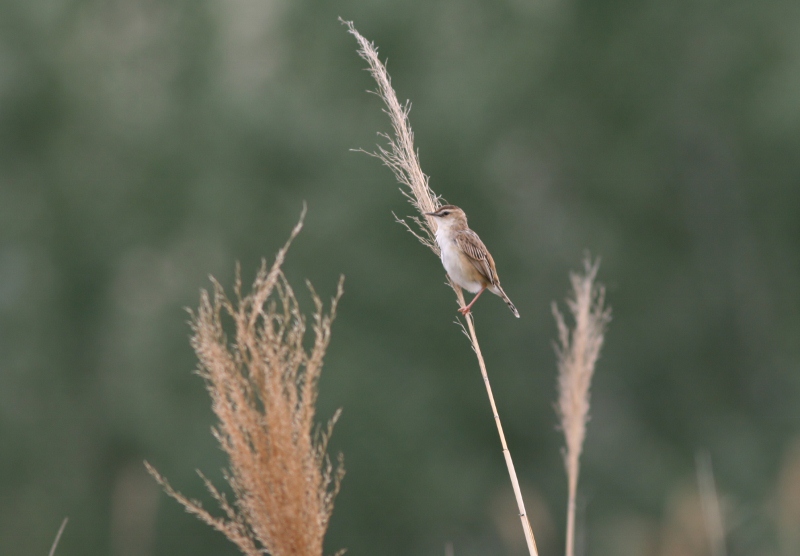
(145, 144)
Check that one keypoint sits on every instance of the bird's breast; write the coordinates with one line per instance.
(458, 266)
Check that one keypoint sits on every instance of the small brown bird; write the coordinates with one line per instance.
(465, 258)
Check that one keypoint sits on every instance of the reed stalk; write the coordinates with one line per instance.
(58, 537)
(402, 159)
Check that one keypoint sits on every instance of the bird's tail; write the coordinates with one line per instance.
(503, 295)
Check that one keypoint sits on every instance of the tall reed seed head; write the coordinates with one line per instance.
(577, 351)
(263, 387)
(400, 155)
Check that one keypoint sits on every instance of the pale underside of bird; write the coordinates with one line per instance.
(465, 258)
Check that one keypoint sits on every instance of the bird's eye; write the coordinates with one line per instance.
(445, 213)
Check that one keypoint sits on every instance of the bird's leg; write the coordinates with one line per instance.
(465, 310)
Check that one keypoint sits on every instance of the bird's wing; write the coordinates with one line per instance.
(471, 245)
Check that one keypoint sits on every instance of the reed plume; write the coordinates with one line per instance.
(577, 351)
(402, 158)
(710, 504)
(263, 388)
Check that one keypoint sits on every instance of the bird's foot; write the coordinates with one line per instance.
(464, 311)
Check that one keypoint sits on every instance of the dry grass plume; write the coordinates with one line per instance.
(263, 387)
(577, 351)
(710, 504)
(400, 155)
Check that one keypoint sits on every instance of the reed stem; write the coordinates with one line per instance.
(402, 158)
(523, 516)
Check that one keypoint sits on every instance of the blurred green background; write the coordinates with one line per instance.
(145, 144)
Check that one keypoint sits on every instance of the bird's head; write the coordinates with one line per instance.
(449, 216)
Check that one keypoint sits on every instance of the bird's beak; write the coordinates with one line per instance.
(431, 213)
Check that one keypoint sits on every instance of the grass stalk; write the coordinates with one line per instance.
(402, 158)
(523, 516)
(577, 351)
(58, 537)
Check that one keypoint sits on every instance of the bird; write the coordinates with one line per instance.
(465, 258)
